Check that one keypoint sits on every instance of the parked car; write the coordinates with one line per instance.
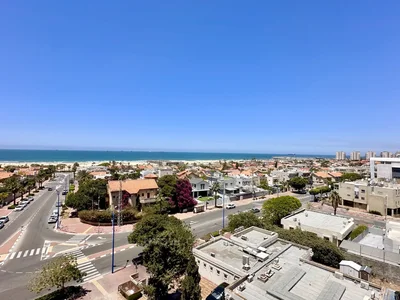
(218, 293)
(64, 192)
(30, 199)
(24, 202)
(255, 210)
(1, 224)
(4, 219)
(52, 219)
(230, 205)
(50, 189)
(19, 208)
(55, 212)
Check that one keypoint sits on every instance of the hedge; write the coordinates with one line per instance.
(357, 231)
(375, 212)
(69, 292)
(12, 206)
(104, 216)
(324, 251)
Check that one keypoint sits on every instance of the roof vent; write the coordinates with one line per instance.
(306, 214)
(212, 254)
(295, 219)
(244, 238)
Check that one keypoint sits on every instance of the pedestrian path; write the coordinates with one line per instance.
(27, 253)
(86, 267)
(78, 239)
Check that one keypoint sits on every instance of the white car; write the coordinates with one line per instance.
(19, 208)
(230, 205)
(24, 203)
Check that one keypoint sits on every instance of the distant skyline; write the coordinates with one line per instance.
(308, 77)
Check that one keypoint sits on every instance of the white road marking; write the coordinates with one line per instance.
(12, 255)
(32, 251)
(44, 250)
(26, 253)
(37, 251)
(19, 254)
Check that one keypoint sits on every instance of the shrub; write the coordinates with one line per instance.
(104, 216)
(12, 206)
(324, 251)
(275, 209)
(357, 231)
(69, 292)
(375, 212)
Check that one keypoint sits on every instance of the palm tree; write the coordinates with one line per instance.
(12, 185)
(30, 184)
(21, 188)
(214, 189)
(335, 198)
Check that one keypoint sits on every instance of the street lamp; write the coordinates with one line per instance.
(58, 208)
(223, 208)
(113, 237)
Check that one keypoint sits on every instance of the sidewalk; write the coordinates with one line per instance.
(106, 288)
(8, 245)
(75, 226)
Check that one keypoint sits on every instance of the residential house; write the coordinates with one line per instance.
(200, 187)
(4, 175)
(335, 176)
(165, 171)
(100, 174)
(134, 190)
(151, 176)
(321, 178)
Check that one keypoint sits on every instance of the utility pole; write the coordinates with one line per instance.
(120, 203)
(113, 237)
(223, 208)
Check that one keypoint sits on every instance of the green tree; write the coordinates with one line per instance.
(191, 283)
(314, 192)
(75, 167)
(56, 273)
(12, 184)
(41, 176)
(30, 184)
(245, 219)
(3, 197)
(214, 190)
(167, 186)
(167, 244)
(335, 199)
(298, 183)
(51, 169)
(275, 209)
(83, 176)
(264, 184)
(22, 188)
(350, 177)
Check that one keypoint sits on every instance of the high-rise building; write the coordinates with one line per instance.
(397, 154)
(385, 154)
(340, 155)
(355, 155)
(370, 154)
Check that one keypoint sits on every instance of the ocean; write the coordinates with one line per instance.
(25, 156)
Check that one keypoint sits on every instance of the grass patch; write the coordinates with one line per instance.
(205, 198)
(70, 292)
(357, 231)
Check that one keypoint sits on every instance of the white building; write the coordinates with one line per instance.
(355, 155)
(385, 168)
(385, 154)
(370, 154)
(329, 227)
(340, 155)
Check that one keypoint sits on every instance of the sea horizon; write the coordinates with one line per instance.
(70, 156)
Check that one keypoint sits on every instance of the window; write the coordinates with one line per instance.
(204, 265)
(225, 276)
(198, 261)
(326, 238)
(291, 228)
(148, 195)
(211, 268)
(362, 191)
(362, 198)
(218, 272)
(202, 186)
(193, 185)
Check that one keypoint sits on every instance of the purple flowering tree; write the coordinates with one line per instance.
(184, 197)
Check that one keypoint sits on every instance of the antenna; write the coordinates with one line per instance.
(120, 204)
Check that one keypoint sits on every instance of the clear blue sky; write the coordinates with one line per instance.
(240, 76)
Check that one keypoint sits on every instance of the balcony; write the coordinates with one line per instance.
(147, 200)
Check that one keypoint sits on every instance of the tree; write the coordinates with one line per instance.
(350, 177)
(275, 209)
(314, 192)
(214, 189)
(21, 188)
(335, 199)
(245, 219)
(167, 186)
(30, 184)
(12, 184)
(90, 191)
(167, 244)
(298, 183)
(56, 273)
(51, 170)
(3, 197)
(83, 176)
(184, 197)
(264, 184)
(191, 283)
(75, 167)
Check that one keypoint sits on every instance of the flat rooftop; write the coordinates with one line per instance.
(321, 220)
(299, 280)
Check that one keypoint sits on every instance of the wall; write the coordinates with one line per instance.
(212, 274)
(377, 202)
(384, 171)
(349, 271)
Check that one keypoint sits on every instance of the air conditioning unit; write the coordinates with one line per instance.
(372, 295)
(242, 287)
(244, 238)
(364, 285)
(250, 278)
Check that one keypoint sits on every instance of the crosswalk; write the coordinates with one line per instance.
(27, 253)
(86, 267)
(78, 239)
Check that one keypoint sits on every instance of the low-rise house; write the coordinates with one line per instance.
(256, 264)
(326, 226)
(100, 174)
(5, 175)
(133, 191)
(151, 176)
(200, 187)
(165, 171)
(320, 178)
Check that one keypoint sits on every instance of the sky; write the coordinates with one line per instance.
(299, 77)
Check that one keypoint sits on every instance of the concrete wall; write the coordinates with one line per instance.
(349, 271)
(214, 273)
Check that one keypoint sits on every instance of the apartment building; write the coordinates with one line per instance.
(340, 155)
(382, 196)
(355, 155)
(384, 168)
(370, 154)
(385, 154)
